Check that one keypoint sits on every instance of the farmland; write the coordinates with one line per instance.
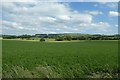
(92, 59)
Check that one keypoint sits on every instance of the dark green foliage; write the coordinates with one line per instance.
(59, 39)
(42, 40)
(69, 38)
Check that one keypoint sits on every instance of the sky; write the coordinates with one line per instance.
(19, 18)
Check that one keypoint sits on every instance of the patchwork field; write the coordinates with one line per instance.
(83, 59)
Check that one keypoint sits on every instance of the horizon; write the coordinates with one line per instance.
(56, 33)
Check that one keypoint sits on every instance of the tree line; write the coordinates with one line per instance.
(61, 37)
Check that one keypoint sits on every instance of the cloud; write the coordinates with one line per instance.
(44, 17)
(114, 13)
(108, 5)
(116, 25)
(64, 17)
(97, 27)
(9, 25)
(19, 0)
(95, 5)
(112, 5)
(103, 0)
(60, 0)
(95, 12)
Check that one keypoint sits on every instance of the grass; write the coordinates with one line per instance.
(0, 58)
(91, 59)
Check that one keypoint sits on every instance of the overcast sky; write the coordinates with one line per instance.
(59, 17)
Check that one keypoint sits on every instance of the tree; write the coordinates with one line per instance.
(59, 39)
(42, 40)
(69, 38)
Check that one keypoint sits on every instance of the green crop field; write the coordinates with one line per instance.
(83, 59)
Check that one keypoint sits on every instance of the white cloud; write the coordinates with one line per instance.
(95, 12)
(114, 13)
(18, 0)
(20, 27)
(112, 5)
(47, 19)
(116, 25)
(97, 27)
(53, 17)
(95, 5)
(60, 0)
(103, 0)
(63, 17)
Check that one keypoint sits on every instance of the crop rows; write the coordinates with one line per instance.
(82, 59)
